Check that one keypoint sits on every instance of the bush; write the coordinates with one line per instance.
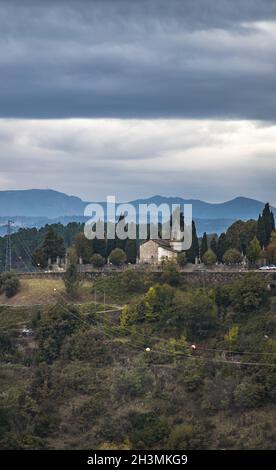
(248, 394)
(209, 258)
(131, 383)
(148, 430)
(117, 257)
(232, 256)
(6, 347)
(86, 345)
(132, 280)
(187, 437)
(171, 274)
(157, 302)
(196, 312)
(97, 260)
(61, 322)
(9, 284)
(249, 294)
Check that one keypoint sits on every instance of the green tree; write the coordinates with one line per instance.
(131, 251)
(132, 280)
(72, 256)
(209, 258)
(83, 247)
(261, 234)
(249, 294)
(9, 284)
(51, 248)
(254, 251)
(222, 247)
(269, 223)
(61, 321)
(232, 256)
(53, 245)
(265, 225)
(193, 251)
(213, 245)
(158, 302)
(231, 337)
(240, 233)
(187, 436)
(195, 313)
(97, 260)
(171, 274)
(270, 251)
(72, 280)
(204, 245)
(117, 257)
(182, 259)
(39, 258)
(100, 246)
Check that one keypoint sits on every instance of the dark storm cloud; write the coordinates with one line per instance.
(144, 59)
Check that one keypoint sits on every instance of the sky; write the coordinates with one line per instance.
(133, 99)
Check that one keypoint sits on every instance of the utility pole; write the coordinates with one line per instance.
(8, 262)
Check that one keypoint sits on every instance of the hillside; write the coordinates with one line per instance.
(87, 378)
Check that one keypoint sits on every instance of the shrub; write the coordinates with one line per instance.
(6, 347)
(131, 383)
(187, 437)
(132, 280)
(209, 258)
(85, 345)
(97, 260)
(60, 323)
(148, 429)
(248, 394)
(171, 274)
(117, 257)
(232, 256)
(196, 312)
(249, 294)
(9, 284)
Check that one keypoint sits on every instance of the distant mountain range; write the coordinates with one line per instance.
(36, 207)
(39, 203)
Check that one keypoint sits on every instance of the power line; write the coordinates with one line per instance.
(8, 260)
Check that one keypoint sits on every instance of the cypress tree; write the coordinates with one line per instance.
(193, 252)
(261, 235)
(100, 246)
(131, 250)
(118, 242)
(266, 224)
(221, 247)
(213, 245)
(72, 280)
(204, 245)
(53, 245)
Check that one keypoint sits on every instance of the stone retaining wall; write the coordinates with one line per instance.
(203, 277)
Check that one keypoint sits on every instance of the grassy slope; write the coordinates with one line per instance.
(41, 291)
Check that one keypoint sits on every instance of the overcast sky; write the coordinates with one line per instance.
(139, 98)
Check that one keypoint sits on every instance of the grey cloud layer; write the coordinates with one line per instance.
(212, 160)
(192, 58)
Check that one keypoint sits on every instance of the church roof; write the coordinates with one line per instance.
(166, 244)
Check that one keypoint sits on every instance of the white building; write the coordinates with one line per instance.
(156, 251)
